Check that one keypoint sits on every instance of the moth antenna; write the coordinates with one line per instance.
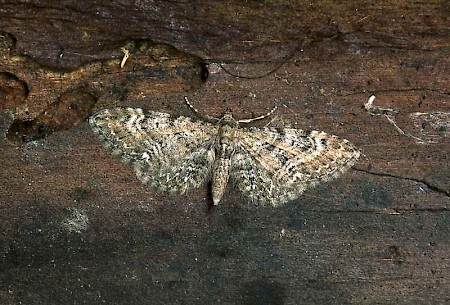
(201, 114)
(260, 117)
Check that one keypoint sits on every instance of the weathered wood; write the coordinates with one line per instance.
(78, 227)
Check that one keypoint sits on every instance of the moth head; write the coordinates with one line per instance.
(228, 119)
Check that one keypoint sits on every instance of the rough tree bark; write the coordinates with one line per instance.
(77, 226)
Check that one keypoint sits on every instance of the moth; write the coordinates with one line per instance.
(268, 165)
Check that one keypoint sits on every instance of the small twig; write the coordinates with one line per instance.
(126, 55)
(375, 110)
(389, 114)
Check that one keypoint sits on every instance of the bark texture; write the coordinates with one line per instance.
(79, 228)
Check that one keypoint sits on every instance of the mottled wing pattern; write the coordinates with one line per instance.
(272, 166)
(169, 154)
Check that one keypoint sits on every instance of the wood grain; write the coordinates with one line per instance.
(78, 227)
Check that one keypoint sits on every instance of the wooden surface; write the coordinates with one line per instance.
(77, 226)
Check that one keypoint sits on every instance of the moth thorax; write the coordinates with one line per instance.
(227, 134)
